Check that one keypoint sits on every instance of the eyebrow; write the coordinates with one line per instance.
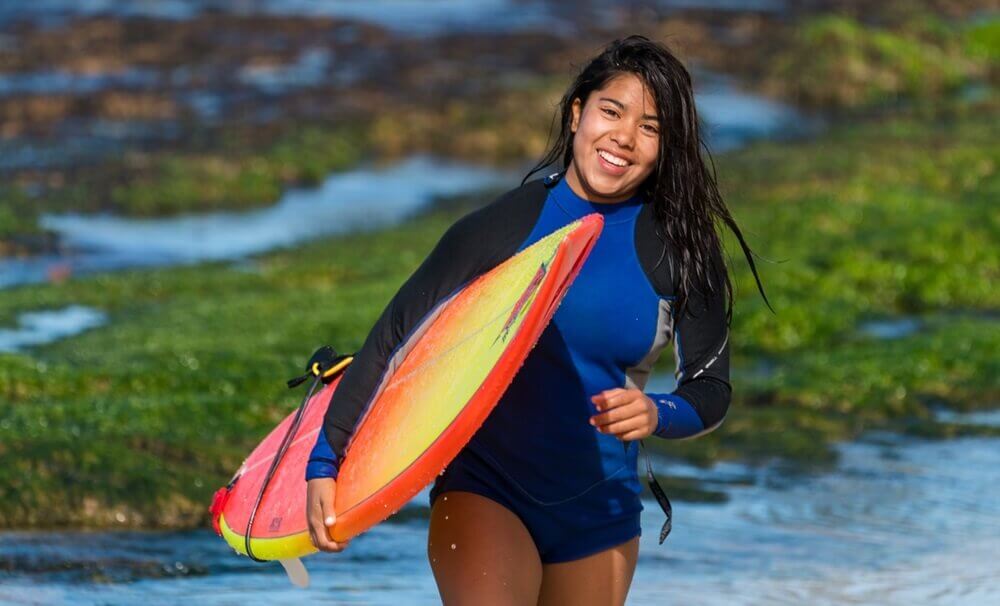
(622, 107)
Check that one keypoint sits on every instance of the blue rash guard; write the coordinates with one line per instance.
(610, 328)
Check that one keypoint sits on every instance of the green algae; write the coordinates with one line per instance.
(137, 422)
(837, 61)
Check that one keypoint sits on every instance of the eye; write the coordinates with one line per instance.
(609, 111)
(651, 129)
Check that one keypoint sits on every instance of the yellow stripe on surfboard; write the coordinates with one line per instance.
(430, 388)
(292, 546)
(440, 375)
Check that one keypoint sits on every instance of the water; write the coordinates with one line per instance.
(900, 521)
(735, 118)
(403, 16)
(48, 81)
(40, 327)
(890, 328)
(309, 69)
(423, 17)
(362, 199)
(83, 142)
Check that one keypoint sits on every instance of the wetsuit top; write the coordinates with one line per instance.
(610, 328)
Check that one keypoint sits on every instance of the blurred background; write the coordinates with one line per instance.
(195, 194)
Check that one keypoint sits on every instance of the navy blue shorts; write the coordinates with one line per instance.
(565, 531)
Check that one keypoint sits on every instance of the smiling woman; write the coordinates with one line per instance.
(616, 140)
(542, 505)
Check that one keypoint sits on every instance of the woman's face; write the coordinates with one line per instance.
(616, 142)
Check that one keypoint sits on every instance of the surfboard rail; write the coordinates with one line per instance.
(372, 484)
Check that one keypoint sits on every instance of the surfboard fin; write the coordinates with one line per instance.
(296, 572)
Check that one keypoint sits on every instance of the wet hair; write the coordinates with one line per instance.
(682, 186)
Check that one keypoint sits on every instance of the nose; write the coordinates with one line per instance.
(623, 135)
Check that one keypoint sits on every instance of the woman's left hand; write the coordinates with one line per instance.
(627, 414)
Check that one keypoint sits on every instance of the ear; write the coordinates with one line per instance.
(575, 109)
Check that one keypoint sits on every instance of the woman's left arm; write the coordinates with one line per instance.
(699, 403)
(701, 347)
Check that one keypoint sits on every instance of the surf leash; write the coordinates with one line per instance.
(658, 492)
(324, 366)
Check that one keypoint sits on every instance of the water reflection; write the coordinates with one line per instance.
(41, 327)
(890, 328)
(362, 199)
(900, 521)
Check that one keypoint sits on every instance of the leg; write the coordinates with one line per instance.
(602, 578)
(481, 553)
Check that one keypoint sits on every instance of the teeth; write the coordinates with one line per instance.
(612, 159)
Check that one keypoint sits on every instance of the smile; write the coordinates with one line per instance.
(613, 159)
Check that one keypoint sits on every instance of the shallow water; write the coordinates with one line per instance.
(899, 521)
(890, 328)
(734, 118)
(363, 199)
(40, 327)
(403, 16)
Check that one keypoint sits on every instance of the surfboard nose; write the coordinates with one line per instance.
(579, 243)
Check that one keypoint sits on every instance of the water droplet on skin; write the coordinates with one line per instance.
(453, 546)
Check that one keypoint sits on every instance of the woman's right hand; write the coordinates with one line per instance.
(320, 514)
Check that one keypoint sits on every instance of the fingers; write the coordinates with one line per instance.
(321, 515)
(635, 434)
(619, 428)
(626, 414)
(617, 414)
(610, 398)
(618, 406)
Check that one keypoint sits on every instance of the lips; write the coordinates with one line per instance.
(608, 166)
(614, 159)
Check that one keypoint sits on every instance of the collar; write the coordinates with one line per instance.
(576, 206)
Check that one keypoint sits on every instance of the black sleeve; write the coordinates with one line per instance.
(701, 345)
(700, 331)
(475, 244)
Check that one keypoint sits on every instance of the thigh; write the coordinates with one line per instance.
(481, 553)
(600, 579)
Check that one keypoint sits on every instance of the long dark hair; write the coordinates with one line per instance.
(682, 187)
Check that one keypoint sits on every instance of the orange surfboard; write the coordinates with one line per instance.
(426, 411)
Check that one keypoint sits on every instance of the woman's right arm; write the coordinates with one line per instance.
(472, 246)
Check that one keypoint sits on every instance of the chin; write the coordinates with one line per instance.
(608, 186)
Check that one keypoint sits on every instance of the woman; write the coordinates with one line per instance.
(542, 506)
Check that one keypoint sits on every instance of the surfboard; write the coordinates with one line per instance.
(459, 363)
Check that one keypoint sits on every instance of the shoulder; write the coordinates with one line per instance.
(507, 217)
(496, 230)
(661, 258)
(523, 201)
(657, 256)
